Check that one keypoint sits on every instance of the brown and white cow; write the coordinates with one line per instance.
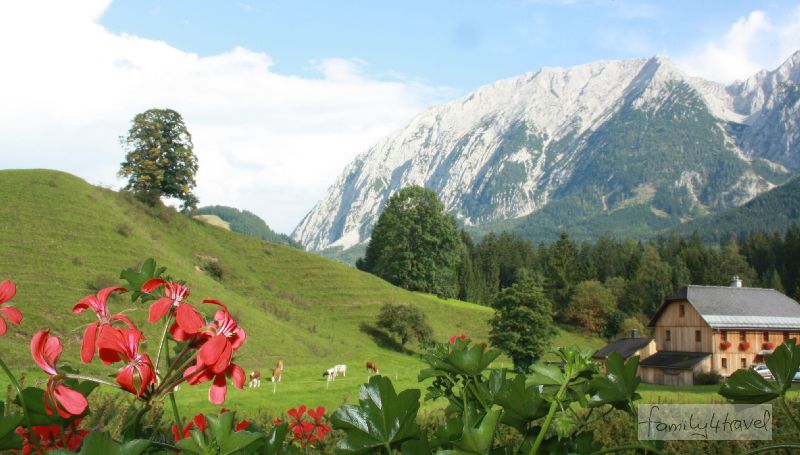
(255, 379)
(277, 372)
(334, 371)
(372, 367)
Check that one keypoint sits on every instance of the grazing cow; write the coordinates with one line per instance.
(277, 372)
(372, 367)
(255, 379)
(334, 371)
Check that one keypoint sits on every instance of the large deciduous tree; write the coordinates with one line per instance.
(590, 306)
(404, 321)
(160, 158)
(415, 244)
(523, 326)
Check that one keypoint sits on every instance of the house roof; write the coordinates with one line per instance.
(625, 346)
(738, 308)
(674, 359)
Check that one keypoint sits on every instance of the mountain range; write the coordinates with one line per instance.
(627, 147)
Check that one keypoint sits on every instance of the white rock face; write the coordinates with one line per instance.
(504, 150)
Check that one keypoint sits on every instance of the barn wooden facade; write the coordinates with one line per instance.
(702, 329)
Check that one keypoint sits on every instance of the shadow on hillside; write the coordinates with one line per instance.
(383, 339)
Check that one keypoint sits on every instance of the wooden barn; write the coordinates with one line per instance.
(627, 347)
(701, 329)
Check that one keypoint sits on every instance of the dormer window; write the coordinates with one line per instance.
(682, 310)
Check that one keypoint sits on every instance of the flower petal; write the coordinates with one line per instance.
(188, 318)
(237, 375)
(124, 319)
(216, 394)
(3, 327)
(72, 402)
(7, 291)
(159, 308)
(45, 350)
(125, 379)
(211, 351)
(152, 284)
(102, 296)
(237, 340)
(89, 341)
(12, 314)
(215, 302)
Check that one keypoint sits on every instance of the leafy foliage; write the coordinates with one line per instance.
(160, 158)
(404, 321)
(383, 418)
(415, 244)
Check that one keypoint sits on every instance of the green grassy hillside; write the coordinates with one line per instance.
(60, 238)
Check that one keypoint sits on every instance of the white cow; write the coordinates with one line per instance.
(334, 371)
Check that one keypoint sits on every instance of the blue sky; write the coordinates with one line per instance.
(457, 44)
(279, 96)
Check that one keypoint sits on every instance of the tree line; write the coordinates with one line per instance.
(607, 286)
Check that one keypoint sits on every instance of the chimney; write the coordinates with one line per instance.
(736, 282)
(634, 333)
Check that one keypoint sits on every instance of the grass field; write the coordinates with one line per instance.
(61, 238)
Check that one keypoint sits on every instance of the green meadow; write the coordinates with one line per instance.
(62, 238)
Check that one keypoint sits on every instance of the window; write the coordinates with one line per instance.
(669, 335)
(785, 336)
(682, 310)
(766, 336)
(744, 363)
(742, 336)
(724, 364)
(698, 336)
(724, 335)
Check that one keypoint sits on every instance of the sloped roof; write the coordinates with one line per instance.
(732, 307)
(625, 346)
(674, 359)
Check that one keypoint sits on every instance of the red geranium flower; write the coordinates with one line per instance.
(216, 394)
(306, 432)
(123, 345)
(199, 421)
(92, 333)
(226, 337)
(186, 316)
(67, 402)
(7, 291)
(456, 337)
(50, 438)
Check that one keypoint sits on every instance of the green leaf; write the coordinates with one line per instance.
(34, 399)
(478, 439)
(564, 426)
(521, 403)
(101, 443)
(545, 375)
(275, 443)
(382, 417)
(618, 385)
(136, 278)
(9, 439)
(747, 386)
(784, 363)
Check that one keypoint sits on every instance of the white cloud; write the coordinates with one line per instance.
(266, 142)
(752, 43)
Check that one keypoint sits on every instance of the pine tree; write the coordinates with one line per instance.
(523, 326)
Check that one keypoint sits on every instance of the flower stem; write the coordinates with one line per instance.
(175, 413)
(553, 406)
(163, 339)
(92, 379)
(22, 404)
(792, 417)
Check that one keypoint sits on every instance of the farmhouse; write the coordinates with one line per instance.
(701, 329)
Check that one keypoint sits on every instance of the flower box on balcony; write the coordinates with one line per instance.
(744, 345)
(768, 345)
(724, 345)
